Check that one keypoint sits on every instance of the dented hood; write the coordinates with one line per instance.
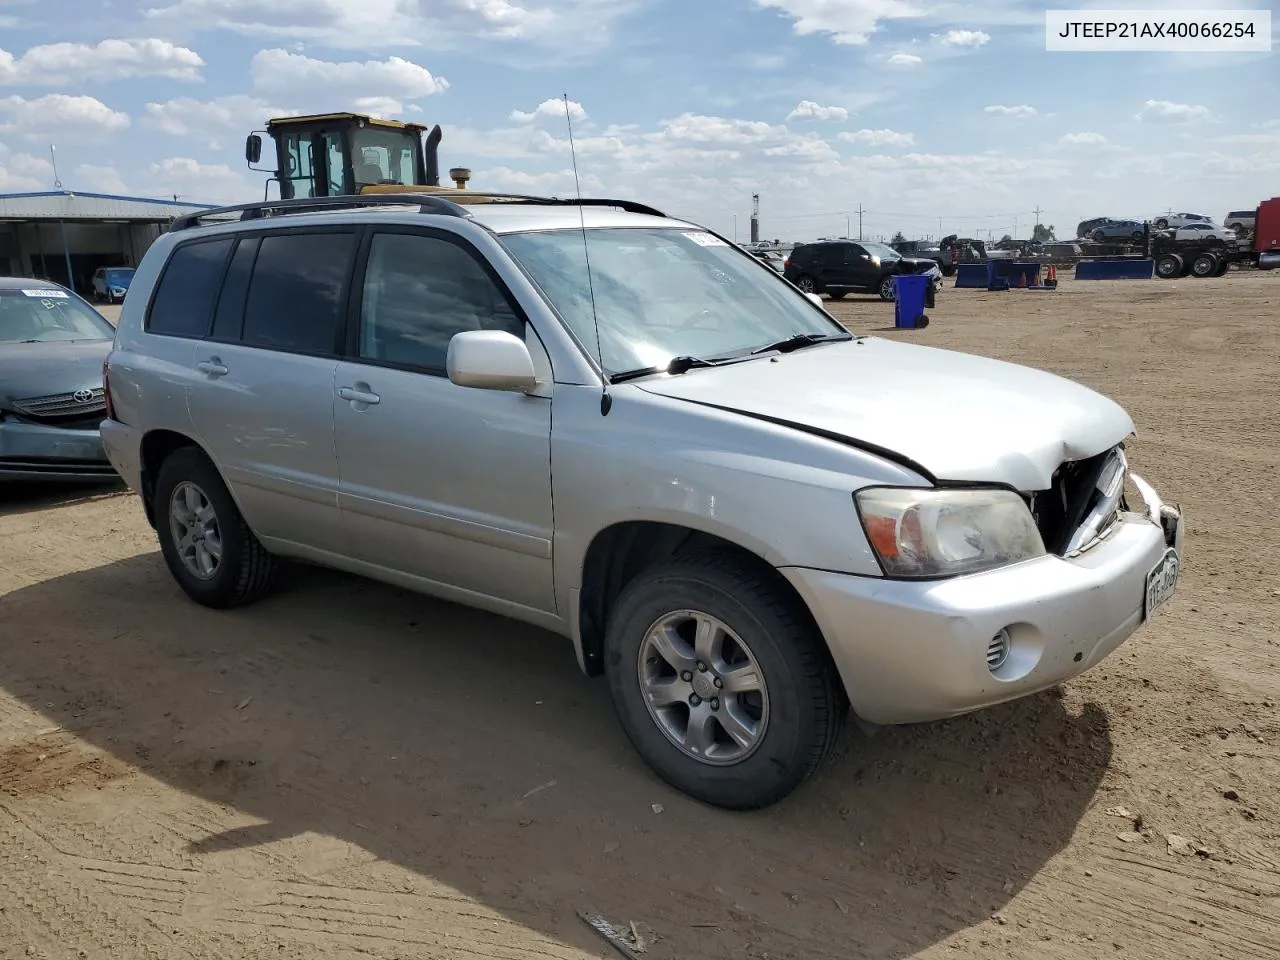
(960, 417)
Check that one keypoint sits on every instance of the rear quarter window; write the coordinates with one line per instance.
(183, 302)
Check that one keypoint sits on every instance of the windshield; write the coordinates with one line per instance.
(883, 251)
(662, 293)
(45, 314)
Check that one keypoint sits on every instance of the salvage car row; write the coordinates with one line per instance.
(762, 522)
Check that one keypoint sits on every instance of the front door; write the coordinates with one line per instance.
(446, 483)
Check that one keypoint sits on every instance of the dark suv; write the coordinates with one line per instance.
(838, 267)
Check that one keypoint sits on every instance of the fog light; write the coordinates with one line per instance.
(998, 650)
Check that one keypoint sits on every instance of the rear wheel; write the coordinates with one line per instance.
(1205, 265)
(806, 283)
(721, 681)
(1162, 224)
(205, 541)
(1169, 266)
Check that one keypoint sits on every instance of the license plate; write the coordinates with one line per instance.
(1161, 581)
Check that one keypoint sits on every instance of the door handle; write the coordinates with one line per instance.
(359, 394)
(213, 367)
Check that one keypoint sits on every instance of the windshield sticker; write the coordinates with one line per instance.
(46, 294)
(706, 240)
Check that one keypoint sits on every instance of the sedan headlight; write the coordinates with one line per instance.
(920, 533)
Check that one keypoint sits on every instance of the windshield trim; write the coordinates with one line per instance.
(684, 226)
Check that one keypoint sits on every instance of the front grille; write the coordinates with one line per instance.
(61, 407)
(1064, 507)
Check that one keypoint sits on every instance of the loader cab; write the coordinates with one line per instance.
(341, 154)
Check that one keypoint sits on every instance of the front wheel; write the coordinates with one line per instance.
(1162, 224)
(886, 288)
(721, 681)
(205, 541)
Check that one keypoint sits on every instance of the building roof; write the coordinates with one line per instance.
(66, 205)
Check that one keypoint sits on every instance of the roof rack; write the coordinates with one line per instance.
(426, 203)
(432, 203)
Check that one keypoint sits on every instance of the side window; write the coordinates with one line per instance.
(295, 300)
(183, 301)
(229, 316)
(418, 292)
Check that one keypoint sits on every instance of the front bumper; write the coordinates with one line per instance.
(34, 452)
(915, 651)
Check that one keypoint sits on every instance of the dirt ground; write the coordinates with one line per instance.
(349, 770)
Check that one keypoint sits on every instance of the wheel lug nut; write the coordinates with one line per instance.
(694, 699)
(719, 683)
(686, 676)
(715, 703)
(702, 667)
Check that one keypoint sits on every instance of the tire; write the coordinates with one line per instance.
(1223, 267)
(245, 570)
(1162, 224)
(797, 716)
(806, 283)
(1099, 236)
(886, 289)
(1137, 236)
(1205, 265)
(1169, 266)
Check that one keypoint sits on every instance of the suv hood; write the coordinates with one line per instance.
(958, 416)
(47, 369)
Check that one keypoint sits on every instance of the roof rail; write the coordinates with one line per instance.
(426, 203)
(450, 204)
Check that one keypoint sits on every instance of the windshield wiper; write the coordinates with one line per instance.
(798, 340)
(676, 365)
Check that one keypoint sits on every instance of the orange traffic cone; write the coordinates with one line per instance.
(1022, 279)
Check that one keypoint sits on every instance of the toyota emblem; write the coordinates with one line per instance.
(82, 396)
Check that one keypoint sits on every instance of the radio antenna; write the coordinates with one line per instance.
(606, 401)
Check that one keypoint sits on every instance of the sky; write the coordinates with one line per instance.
(931, 116)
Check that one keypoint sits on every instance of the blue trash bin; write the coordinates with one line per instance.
(910, 293)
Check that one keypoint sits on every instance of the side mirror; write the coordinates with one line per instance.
(253, 148)
(490, 360)
(816, 298)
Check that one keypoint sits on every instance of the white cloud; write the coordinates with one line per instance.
(1165, 111)
(1085, 139)
(21, 172)
(216, 122)
(189, 179)
(763, 61)
(966, 38)
(67, 63)
(61, 116)
(808, 110)
(697, 128)
(550, 109)
(281, 72)
(95, 179)
(905, 60)
(555, 182)
(999, 110)
(848, 21)
(573, 27)
(878, 138)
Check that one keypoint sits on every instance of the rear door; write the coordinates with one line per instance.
(262, 394)
(446, 483)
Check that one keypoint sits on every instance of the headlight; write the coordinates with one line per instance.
(943, 533)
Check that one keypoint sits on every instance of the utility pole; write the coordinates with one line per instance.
(859, 221)
(755, 218)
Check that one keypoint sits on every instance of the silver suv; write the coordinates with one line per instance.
(627, 430)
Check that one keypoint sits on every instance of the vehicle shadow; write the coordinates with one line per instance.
(20, 496)
(467, 748)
